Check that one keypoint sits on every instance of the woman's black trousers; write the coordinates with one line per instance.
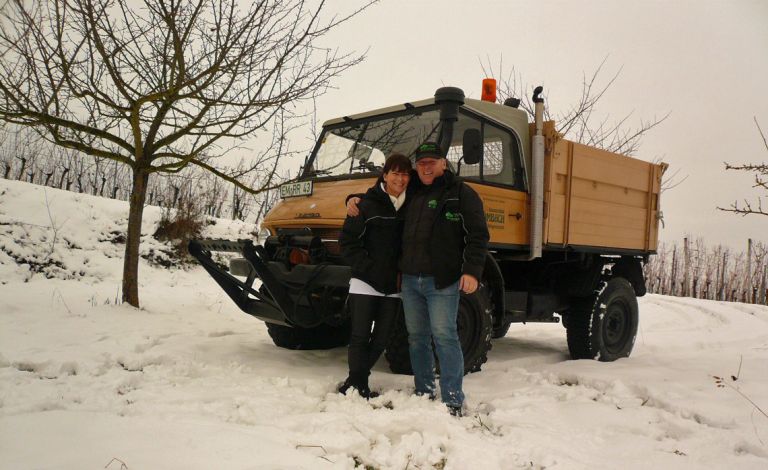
(366, 345)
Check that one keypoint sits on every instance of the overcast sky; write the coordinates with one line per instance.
(704, 61)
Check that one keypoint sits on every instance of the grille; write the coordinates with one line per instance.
(330, 238)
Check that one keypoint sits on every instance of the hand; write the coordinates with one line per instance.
(352, 209)
(468, 283)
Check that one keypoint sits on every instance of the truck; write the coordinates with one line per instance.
(570, 228)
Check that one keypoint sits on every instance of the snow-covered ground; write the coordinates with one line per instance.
(190, 382)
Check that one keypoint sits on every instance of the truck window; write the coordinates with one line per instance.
(362, 147)
(501, 162)
(342, 155)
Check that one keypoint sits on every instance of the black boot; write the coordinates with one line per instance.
(367, 393)
(358, 381)
(345, 386)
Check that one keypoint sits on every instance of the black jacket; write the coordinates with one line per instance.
(370, 242)
(459, 241)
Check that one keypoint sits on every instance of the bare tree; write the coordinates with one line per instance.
(163, 85)
(760, 172)
(580, 123)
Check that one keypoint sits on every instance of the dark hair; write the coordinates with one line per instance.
(397, 162)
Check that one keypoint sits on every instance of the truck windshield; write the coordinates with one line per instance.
(363, 147)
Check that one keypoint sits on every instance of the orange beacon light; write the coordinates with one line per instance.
(489, 90)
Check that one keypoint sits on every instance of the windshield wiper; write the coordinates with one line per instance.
(313, 173)
(365, 165)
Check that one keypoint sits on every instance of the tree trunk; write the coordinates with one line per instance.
(748, 276)
(721, 290)
(131, 260)
(685, 290)
(63, 176)
(673, 284)
(23, 167)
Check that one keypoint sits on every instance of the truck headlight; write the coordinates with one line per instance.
(263, 234)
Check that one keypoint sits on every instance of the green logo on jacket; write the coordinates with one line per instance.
(432, 204)
(452, 217)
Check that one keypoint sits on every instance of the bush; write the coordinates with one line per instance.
(181, 225)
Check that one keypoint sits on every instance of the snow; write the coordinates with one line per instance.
(190, 382)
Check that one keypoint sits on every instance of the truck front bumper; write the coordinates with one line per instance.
(304, 296)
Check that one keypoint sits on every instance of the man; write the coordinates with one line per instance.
(445, 242)
(444, 248)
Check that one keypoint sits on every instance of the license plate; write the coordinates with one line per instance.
(302, 188)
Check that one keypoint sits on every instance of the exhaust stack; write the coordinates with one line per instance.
(449, 98)
(537, 177)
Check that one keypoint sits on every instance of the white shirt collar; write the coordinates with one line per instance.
(396, 201)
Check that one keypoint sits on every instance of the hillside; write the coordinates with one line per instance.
(190, 382)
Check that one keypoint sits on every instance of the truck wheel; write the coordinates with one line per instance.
(397, 349)
(475, 324)
(475, 327)
(502, 330)
(604, 325)
(499, 331)
(319, 337)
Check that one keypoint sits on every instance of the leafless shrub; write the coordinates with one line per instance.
(723, 382)
(181, 224)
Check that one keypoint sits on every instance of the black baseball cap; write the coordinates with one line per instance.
(428, 150)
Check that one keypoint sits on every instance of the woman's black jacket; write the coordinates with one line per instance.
(371, 242)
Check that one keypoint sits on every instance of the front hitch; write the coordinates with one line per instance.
(303, 295)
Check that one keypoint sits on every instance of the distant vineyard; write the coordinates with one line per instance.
(24, 157)
(693, 269)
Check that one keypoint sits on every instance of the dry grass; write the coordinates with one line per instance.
(181, 225)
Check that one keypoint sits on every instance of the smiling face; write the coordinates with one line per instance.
(395, 181)
(430, 168)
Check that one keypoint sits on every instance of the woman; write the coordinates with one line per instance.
(370, 244)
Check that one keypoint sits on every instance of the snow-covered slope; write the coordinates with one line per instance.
(189, 382)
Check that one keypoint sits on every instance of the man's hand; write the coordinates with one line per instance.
(352, 209)
(468, 283)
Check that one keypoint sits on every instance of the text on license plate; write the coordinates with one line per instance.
(302, 188)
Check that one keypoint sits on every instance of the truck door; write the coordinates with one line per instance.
(499, 180)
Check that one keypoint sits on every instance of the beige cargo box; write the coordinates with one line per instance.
(595, 198)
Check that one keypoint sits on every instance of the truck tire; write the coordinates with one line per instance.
(603, 326)
(319, 337)
(475, 327)
(397, 354)
(502, 330)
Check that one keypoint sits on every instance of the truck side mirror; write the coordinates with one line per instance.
(472, 146)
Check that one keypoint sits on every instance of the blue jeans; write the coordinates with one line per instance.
(430, 313)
